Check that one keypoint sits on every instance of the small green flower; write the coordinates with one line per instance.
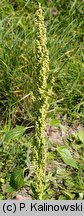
(40, 104)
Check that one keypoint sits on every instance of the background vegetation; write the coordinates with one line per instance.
(64, 25)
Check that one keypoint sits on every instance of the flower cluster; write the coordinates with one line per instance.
(40, 103)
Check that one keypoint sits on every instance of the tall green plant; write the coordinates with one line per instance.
(40, 103)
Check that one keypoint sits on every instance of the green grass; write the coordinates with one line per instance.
(64, 24)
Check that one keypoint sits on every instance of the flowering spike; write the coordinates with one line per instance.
(40, 103)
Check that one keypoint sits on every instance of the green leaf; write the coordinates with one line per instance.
(9, 189)
(1, 197)
(66, 196)
(17, 178)
(51, 155)
(15, 133)
(81, 135)
(62, 197)
(69, 195)
(66, 156)
(54, 121)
